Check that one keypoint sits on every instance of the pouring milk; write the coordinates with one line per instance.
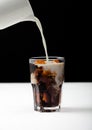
(15, 11)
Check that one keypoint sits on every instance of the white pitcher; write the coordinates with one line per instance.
(14, 11)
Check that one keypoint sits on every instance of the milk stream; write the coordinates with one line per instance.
(38, 23)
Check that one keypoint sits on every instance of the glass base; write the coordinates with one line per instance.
(47, 109)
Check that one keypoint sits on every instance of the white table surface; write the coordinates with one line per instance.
(17, 113)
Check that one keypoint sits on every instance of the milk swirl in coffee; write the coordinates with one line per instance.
(47, 79)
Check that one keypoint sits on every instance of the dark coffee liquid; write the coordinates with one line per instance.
(46, 90)
(46, 97)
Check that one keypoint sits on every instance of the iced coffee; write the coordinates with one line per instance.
(46, 79)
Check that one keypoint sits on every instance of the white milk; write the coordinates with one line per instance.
(38, 23)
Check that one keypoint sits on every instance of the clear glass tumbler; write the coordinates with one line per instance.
(46, 79)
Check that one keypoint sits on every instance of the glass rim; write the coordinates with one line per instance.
(44, 57)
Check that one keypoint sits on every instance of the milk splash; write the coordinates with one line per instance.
(38, 23)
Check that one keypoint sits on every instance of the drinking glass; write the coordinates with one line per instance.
(47, 78)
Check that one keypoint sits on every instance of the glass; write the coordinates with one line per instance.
(46, 79)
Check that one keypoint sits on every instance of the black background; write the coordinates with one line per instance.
(66, 34)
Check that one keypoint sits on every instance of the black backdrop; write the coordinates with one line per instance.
(64, 36)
